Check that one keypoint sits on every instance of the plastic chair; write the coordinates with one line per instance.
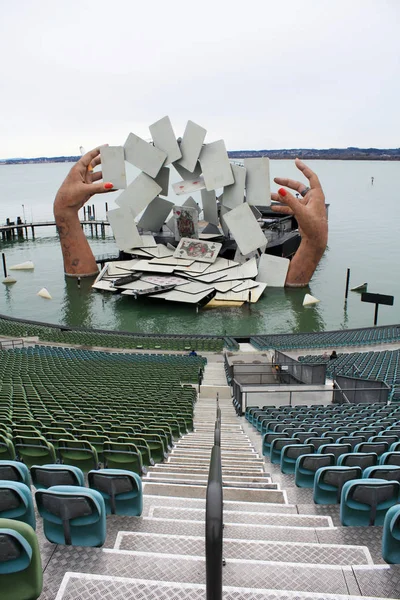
(277, 446)
(317, 442)
(123, 455)
(358, 459)
(329, 481)
(268, 438)
(365, 501)
(46, 476)
(388, 472)
(78, 453)
(377, 447)
(13, 470)
(307, 465)
(391, 536)
(16, 502)
(20, 564)
(335, 449)
(7, 450)
(390, 458)
(122, 490)
(290, 454)
(35, 450)
(72, 515)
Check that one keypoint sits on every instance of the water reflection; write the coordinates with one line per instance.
(306, 318)
(76, 308)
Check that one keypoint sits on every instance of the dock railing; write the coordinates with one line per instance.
(214, 517)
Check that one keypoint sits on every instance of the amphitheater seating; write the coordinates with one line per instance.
(16, 502)
(121, 490)
(391, 536)
(72, 515)
(388, 472)
(390, 458)
(12, 470)
(307, 465)
(45, 476)
(290, 454)
(20, 562)
(365, 501)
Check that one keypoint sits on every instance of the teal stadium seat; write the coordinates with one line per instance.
(329, 481)
(13, 470)
(21, 575)
(72, 515)
(122, 490)
(307, 465)
(391, 536)
(45, 476)
(390, 458)
(388, 472)
(365, 501)
(290, 454)
(358, 459)
(16, 502)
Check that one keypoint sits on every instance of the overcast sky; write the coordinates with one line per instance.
(257, 73)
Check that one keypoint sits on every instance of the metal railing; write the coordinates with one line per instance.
(7, 344)
(214, 517)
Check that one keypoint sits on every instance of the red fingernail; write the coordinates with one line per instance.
(282, 192)
(108, 186)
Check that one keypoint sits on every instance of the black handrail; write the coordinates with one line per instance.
(214, 518)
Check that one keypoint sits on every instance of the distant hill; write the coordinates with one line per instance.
(351, 153)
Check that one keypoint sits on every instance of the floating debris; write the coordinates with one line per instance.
(44, 293)
(25, 266)
(8, 280)
(308, 300)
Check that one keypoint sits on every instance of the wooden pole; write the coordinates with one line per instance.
(3, 256)
(347, 284)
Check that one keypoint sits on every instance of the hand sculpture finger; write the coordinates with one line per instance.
(290, 183)
(96, 176)
(289, 200)
(307, 172)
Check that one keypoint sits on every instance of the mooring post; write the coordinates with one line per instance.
(106, 208)
(84, 213)
(347, 284)
(93, 212)
(3, 256)
(376, 314)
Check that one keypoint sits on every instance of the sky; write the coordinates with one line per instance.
(260, 74)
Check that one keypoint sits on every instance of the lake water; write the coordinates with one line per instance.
(364, 226)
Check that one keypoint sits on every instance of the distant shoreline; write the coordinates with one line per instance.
(288, 154)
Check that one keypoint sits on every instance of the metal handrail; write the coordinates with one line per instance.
(214, 517)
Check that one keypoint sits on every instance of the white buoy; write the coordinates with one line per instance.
(25, 266)
(7, 280)
(43, 293)
(308, 299)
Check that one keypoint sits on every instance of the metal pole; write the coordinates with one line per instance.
(376, 314)
(93, 212)
(4, 264)
(347, 284)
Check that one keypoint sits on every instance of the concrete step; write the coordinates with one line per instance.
(88, 587)
(244, 518)
(170, 468)
(224, 453)
(230, 493)
(229, 505)
(248, 483)
(185, 569)
(325, 554)
(210, 392)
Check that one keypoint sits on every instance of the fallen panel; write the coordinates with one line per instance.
(160, 251)
(187, 186)
(148, 241)
(25, 266)
(225, 228)
(137, 285)
(308, 300)
(212, 277)
(191, 144)
(225, 286)
(121, 267)
(177, 296)
(113, 166)
(124, 228)
(199, 250)
(149, 266)
(143, 155)
(245, 285)
(155, 214)
(272, 270)
(195, 287)
(105, 286)
(220, 265)
(164, 139)
(258, 190)
(163, 180)
(195, 269)
(233, 195)
(171, 260)
(164, 280)
(245, 229)
(256, 293)
(247, 270)
(232, 296)
(215, 166)
(142, 253)
(185, 174)
(209, 202)
(139, 194)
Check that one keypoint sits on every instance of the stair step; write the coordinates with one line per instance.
(256, 507)
(87, 587)
(230, 493)
(243, 518)
(197, 477)
(171, 468)
(326, 554)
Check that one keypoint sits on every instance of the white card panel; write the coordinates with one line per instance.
(177, 296)
(187, 186)
(225, 286)
(160, 251)
(143, 155)
(163, 180)
(221, 264)
(232, 295)
(211, 277)
(148, 241)
(185, 174)
(176, 262)
(195, 287)
(164, 138)
(195, 269)
(225, 228)
(155, 214)
(258, 190)
(246, 271)
(244, 228)
(148, 266)
(105, 286)
(139, 194)
(209, 202)
(215, 165)
(233, 195)
(137, 285)
(241, 286)
(164, 280)
(118, 268)
(272, 270)
(143, 253)
(124, 228)
(113, 166)
(189, 202)
(191, 144)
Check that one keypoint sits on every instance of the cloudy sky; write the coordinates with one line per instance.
(258, 73)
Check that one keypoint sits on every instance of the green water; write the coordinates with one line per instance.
(364, 235)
